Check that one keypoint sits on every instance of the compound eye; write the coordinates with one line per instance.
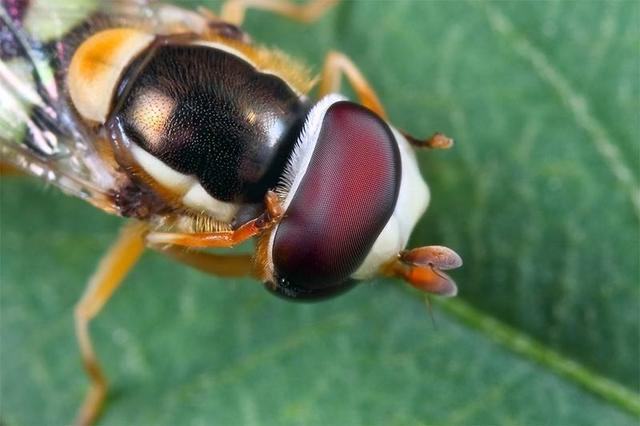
(343, 201)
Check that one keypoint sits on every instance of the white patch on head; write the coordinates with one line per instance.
(162, 173)
(414, 196)
(303, 150)
(197, 198)
(412, 202)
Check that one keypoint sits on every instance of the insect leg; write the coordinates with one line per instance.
(220, 239)
(222, 265)
(7, 169)
(111, 271)
(233, 11)
(335, 65)
(273, 213)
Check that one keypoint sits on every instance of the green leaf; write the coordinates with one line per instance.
(540, 196)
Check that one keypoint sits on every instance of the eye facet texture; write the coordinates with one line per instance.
(342, 204)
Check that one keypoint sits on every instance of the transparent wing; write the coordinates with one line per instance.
(40, 132)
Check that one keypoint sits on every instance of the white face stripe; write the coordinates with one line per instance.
(414, 196)
(303, 151)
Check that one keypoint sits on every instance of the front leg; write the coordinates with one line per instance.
(338, 64)
(224, 239)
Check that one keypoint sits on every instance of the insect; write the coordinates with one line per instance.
(178, 121)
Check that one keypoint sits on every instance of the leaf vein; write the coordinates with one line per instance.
(576, 102)
(526, 346)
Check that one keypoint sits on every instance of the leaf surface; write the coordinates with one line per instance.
(540, 197)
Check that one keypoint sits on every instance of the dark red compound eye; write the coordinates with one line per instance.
(343, 202)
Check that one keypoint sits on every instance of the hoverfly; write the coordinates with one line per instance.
(178, 121)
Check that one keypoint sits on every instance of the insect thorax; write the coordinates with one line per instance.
(198, 123)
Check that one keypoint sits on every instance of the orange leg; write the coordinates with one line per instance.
(335, 65)
(233, 11)
(113, 268)
(220, 239)
(422, 268)
(223, 265)
(7, 169)
(223, 239)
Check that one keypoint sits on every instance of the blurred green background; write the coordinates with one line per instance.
(540, 196)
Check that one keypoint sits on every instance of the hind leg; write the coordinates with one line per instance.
(111, 271)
